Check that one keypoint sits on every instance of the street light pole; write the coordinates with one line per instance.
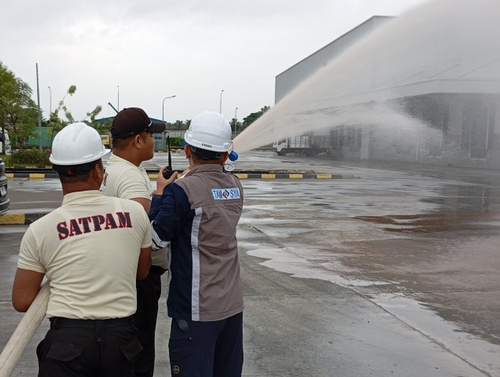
(236, 113)
(163, 107)
(220, 104)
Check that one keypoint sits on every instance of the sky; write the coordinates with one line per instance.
(216, 55)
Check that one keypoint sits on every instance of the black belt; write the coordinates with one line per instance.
(60, 322)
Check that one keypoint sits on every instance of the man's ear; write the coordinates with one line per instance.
(223, 158)
(138, 140)
(187, 151)
(98, 173)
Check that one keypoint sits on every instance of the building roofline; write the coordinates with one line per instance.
(361, 25)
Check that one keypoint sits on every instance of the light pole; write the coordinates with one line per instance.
(163, 107)
(50, 102)
(220, 104)
(236, 113)
(118, 94)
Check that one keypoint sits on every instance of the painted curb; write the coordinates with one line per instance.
(20, 218)
(270, 175)
(283, 176)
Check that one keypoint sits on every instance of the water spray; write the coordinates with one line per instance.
(401, 58)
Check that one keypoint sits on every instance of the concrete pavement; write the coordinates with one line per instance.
(392, 274)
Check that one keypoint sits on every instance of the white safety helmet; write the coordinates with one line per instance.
(209, 131)
(77, 144)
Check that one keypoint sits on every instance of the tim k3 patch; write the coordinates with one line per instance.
(226, 193)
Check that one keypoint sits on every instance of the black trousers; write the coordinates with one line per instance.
(148, 294)
(100, 348)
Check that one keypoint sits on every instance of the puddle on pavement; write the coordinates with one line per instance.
(458, 206)
(472, 198)
(310, 264)
(425, 223)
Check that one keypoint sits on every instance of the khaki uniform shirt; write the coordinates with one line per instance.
(89, 250)
(125, 180)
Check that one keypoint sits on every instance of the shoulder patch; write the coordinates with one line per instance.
(226, 193)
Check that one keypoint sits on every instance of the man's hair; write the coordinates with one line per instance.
(204, 154)
(122, 143)
(75, 173)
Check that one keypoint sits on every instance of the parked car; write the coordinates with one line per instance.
(4, 199)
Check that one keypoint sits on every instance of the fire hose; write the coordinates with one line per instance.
(21, 337)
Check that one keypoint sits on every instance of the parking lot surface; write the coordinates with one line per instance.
(386, 271)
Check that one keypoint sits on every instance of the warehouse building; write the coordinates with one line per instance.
(455, 98)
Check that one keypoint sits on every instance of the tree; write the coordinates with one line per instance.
(57, 123)
(7, 85)
(178, 125)
(18, 112)
(100, 127)
(253, 117)
(235, 125)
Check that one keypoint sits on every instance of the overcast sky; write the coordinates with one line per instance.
(136, 53)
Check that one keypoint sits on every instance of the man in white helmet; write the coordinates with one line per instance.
(132, 136)
(198, 214)
(91, 249)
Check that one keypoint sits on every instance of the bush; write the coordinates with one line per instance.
(30, 157)
(176, 141)
(6, 159)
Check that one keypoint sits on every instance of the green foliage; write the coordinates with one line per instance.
(178, 125)
(7, 89)
(102, 128)
(253, 117)
(18, 112)
(235, 125)
(30, 157)
(176, 141)
(56, 121)
(6, 159)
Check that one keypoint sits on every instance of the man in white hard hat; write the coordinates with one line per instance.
(91, 249)
(132, 140)
(198, 213)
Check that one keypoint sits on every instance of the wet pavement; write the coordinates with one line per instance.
(392, 271)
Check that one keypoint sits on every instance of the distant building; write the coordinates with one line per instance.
(459, 99)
